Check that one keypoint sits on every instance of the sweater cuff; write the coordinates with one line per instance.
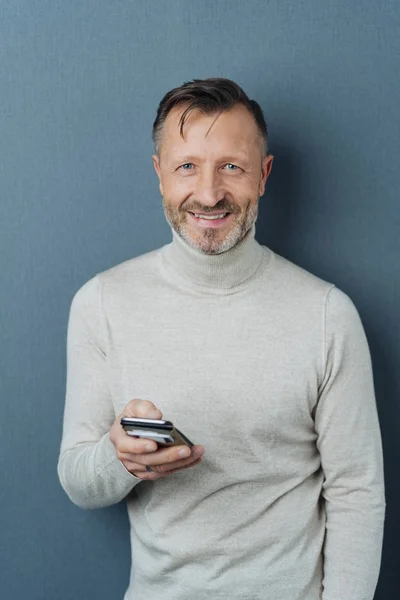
(124, 480)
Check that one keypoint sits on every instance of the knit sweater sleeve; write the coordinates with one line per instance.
(88, 467)
(349, 442)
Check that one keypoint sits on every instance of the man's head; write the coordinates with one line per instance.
(212, 162)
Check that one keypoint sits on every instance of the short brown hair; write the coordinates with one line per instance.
(211, 95)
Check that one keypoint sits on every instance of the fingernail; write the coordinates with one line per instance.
(184, 453)
(149, 448)
(154, 414)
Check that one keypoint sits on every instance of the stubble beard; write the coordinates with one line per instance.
(209, 240)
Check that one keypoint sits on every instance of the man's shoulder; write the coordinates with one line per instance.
(131, 270)
(296, 289)
(119, 280)
(296, 279)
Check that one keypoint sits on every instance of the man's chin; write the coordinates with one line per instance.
(210, 241)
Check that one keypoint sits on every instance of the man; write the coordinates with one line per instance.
(262, 364)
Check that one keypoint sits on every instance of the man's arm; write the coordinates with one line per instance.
(88, 467)
(99, 463)
(350, 446)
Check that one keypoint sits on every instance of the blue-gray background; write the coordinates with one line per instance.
(79, 86)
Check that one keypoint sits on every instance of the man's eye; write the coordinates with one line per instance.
(231, 167)
(186, 166)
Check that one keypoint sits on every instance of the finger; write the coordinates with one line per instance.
(128, 446)
(142, 409)
(169, 455)
(168, 468)
(133, 466)
(140, 472)
(160, 470)
(156, 460)
(182, 468)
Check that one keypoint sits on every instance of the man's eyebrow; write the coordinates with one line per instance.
(234, 157)
(183, 159)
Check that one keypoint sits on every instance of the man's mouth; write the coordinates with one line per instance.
(210, 220)
(211, 217)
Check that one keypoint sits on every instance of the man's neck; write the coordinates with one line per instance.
(217, 273)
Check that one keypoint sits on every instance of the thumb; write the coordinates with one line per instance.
(155, 414)
(143, 409)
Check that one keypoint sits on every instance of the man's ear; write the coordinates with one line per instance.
(266, 167)
(156, 163)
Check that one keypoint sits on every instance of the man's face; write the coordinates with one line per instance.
(212, 178)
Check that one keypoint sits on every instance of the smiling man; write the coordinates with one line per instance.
(212, 176)
(263, 365)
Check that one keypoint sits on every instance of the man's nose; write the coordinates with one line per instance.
(209, 189)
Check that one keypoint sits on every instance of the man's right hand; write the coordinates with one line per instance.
(137, 454)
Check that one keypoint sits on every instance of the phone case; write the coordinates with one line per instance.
(158, 427)
(163, 439)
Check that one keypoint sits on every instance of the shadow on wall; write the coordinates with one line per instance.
(282, 225)
(280, 205)
(387, 387)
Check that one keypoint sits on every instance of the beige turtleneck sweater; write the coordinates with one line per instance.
(266, 366)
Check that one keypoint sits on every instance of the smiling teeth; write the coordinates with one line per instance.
(210, 216)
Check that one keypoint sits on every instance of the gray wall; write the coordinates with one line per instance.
(79, 86)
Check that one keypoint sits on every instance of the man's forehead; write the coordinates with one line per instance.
(235, 122)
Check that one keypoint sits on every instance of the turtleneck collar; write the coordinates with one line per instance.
(215, 273)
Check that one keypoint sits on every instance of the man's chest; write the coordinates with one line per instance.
(219, 370)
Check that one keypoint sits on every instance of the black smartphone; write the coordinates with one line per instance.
(162, 432)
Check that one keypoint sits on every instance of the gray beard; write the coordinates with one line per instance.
(208, 242)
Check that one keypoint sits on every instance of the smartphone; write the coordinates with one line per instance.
(162, 432)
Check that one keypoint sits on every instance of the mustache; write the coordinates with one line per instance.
(223, 205)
